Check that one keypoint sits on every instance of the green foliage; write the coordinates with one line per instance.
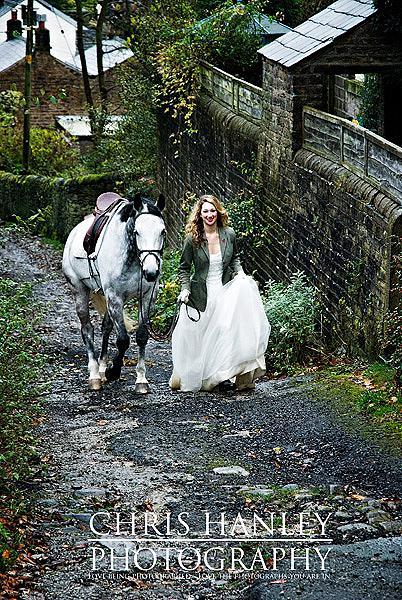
(228, 39)
(51, 153)
(251, 232)
(21, 361)
(169, 43)
(292, 311)
(384, 400)
(11, 102)
(168, 292)
(70, 199)
(378, 403)
(369, 101)
(308, 8)
(41, 223)
(389, 17)
(380, 374)
(131, 150)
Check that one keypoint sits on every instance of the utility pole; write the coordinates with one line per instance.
(26, 151)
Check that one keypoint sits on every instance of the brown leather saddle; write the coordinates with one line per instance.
(104, 207)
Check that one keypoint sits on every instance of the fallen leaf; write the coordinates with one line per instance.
(357, 497)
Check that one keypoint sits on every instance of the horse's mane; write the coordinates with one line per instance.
(128, 210)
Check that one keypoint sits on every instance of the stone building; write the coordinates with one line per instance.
(325, 194)
(57, 85)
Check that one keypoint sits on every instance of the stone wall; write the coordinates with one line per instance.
(49, 76)
(220, 159)
(312, 210)
(338, 232)
(346, 97)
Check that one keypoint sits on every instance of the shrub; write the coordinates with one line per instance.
(168, 291)
(20, 364)
(291, 310)
(11, 102)
(51, 153)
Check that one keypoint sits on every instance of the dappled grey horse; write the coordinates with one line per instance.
(125, 263)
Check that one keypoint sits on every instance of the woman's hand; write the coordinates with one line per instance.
(241, 275)
(184, 296)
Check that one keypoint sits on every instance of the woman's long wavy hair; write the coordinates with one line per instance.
(195, 225)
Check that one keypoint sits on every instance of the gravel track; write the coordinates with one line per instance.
(116, 451)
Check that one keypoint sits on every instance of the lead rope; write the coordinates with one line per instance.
(156, 335)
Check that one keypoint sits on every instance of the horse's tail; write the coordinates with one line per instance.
(99, 303)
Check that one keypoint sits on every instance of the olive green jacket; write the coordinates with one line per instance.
(198, 256)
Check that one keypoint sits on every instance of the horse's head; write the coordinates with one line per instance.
(150, 233)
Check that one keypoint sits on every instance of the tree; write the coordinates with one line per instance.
(81, 52)
(169, 41)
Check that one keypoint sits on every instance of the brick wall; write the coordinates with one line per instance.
(49, 76)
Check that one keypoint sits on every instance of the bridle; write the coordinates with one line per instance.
(146, 318)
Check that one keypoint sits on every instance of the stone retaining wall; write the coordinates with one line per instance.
(326, 195)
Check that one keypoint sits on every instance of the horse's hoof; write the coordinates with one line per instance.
(95, 384)
(112, 374)
(141, 388)
(103, 377)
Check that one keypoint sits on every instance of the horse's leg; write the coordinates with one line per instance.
(87, 332)
(107, 326)
(141, 337)
(115, 308)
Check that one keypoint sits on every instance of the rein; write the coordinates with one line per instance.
(146, 318)
(165, 335)
(156, 335)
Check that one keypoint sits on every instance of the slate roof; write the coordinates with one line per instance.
(62, 41)
(318, 32)
(11, 52)
(79, 126)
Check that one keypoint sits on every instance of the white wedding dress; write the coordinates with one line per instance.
(229, 340)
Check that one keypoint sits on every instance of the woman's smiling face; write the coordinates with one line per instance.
(209, 214)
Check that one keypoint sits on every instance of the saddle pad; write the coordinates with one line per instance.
(104, 201)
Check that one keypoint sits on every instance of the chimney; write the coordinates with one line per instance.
(42, 36)
(14, 27)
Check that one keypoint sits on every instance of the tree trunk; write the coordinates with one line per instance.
(26, 146)
(81, 52)
(99, 52)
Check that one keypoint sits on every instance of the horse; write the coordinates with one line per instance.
(125, 264)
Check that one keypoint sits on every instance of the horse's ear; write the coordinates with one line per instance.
(137, 202)
(160, 203)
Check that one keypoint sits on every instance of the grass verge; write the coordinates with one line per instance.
(369, 390)
(21, 360)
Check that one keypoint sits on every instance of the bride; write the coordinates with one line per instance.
(222, 332)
